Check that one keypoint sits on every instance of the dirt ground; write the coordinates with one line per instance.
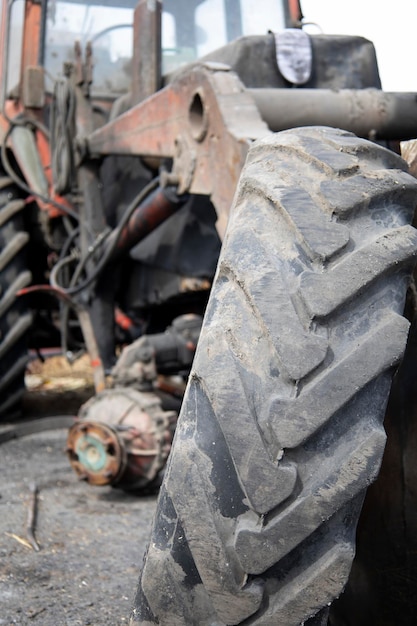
(91, 540)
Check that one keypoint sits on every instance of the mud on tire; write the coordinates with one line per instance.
(281, 430)
(15, 320)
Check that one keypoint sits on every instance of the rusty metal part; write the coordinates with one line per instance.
(99, 378)
(33, 87)
(204, 112)
(295, 14)
(136, 366)
(31, 519)
(409, 154)
(97, 314)
(146, 65)
(96, 453)
(122, 438)
(32, 33)
(368, 113)
(154, 210)
(169, 352)
(31, 45)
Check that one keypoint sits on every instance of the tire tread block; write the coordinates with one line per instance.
(220, 572)
(15, 333)
(13, 207)
(9, 403)
(363, 191)
(13, 247)
(7, 299)
(326, 292)
(316, 149)
(312, 589)
(13, 372)
(299, 350)
(162, 583)
(357, 466)
(265, 481)
(318, 234)
(294, 421)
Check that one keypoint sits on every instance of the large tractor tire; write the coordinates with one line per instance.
(281, 429)
(15, 320)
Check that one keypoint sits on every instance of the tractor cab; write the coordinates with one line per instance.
(190, 30)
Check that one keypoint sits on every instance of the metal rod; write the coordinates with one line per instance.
(146, 66)
(31, 519)
(99, 376)
(369, 113)
(154, 210)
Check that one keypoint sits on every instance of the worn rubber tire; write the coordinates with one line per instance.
(15, 319)
(281, 430)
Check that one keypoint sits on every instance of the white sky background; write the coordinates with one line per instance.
(391, 26)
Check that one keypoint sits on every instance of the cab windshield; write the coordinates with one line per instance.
(190, 29)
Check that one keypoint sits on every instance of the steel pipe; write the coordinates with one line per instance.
(369, 113)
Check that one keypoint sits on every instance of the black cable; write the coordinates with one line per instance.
(68, 225)
(68, 243)
(73, 290)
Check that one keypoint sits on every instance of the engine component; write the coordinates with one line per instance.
(166, 353)
(122, 438)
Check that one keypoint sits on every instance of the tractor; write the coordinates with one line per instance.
(211, 203)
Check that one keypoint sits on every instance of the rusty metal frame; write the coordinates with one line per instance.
(32, 34)
(205, 112)
(147, 50)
